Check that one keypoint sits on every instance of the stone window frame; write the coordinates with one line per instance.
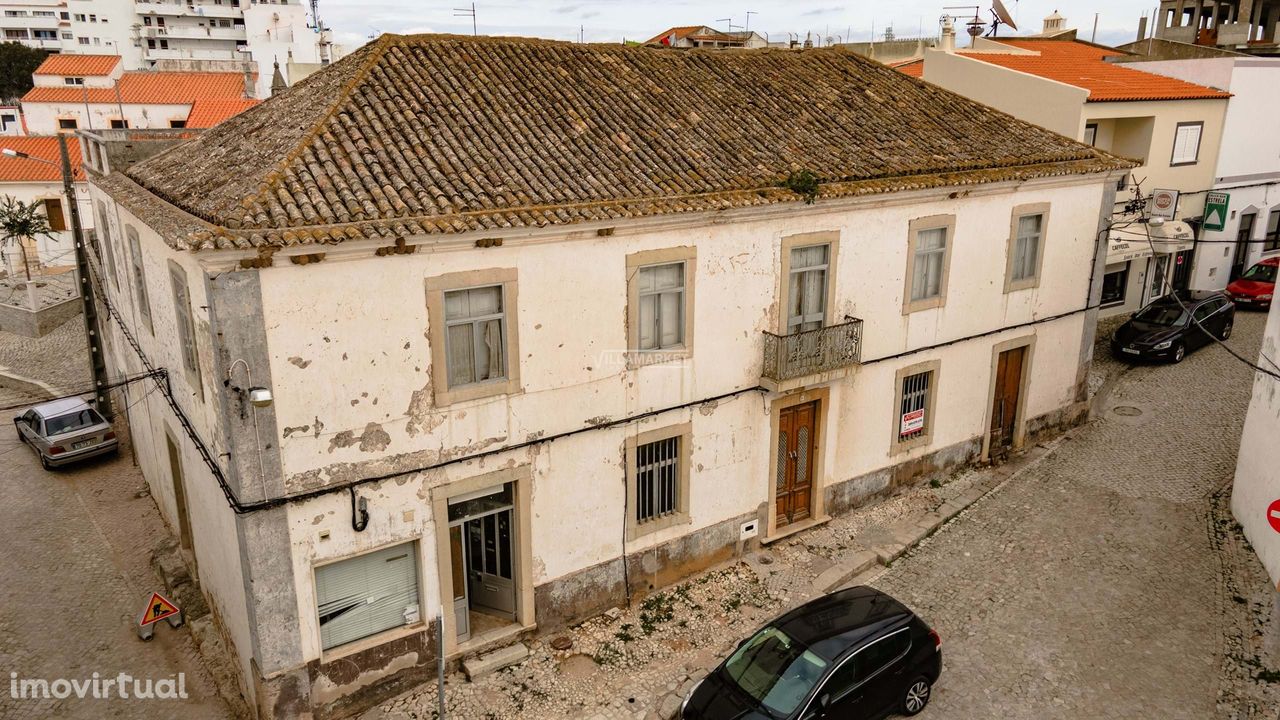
(688, 254)
(898, 446)
(681, 516)
(178, 277)
(1020, 211)
(914, 228)
(803, 240)
(139, 276)
(436, 287)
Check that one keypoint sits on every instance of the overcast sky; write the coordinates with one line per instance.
(355, 21)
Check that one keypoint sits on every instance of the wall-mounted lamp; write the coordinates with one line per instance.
(260, 396)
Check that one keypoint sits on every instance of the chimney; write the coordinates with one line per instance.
(1142, 27)
(808, 42)
(948, 43)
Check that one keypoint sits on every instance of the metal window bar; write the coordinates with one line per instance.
(915, 396)
(657, 479)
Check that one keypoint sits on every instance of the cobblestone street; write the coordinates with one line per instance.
(76, 573)
(1086, 585)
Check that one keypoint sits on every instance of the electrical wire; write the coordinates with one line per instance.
(1167, 285)
(87, 391)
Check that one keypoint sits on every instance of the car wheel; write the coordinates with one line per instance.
(1226, 331)
(44, 462)
(1179, 352)
(916, 696)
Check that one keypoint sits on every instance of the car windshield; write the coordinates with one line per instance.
(71, 421)
(775, 670)
(1261, 273)
(1169, 315)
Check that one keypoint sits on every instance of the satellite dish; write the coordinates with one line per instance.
(1001, 17)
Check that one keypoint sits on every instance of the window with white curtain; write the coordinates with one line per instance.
(927, 270)
(807, 288)
(475, 340)
(366, 595)
(1186, 143)
(661, 290)
(1026, 246)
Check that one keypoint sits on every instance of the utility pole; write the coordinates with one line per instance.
(468, 12)
(102, 397)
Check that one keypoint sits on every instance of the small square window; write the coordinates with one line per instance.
(366, 595)
(1186, 143)
(67, 124)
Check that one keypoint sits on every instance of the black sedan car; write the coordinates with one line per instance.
(1170, 327)
(855, 653)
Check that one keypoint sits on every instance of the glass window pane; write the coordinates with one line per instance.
(814, 296)
(456, 306)
(934, 239)
(669, 318)
(809, 256)
(648, 322)
(667, 276)
(646, 279)
(485, 301)
(490, 351)
(461, 357)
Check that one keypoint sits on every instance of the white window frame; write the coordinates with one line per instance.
(445, 394)
(478, 324)
(796, 280)
(659, 321)
(636, 263)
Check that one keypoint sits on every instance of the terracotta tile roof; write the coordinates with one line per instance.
(680, 33)
(150, 88)
(914, 68)
(442, 134)
(207, 113)
(1081, 64)
(78, 65)
(44, 147)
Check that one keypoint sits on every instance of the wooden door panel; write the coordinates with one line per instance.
(1004, 403)
(797, 454)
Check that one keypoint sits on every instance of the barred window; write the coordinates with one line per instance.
(657, 479)
(915, 411)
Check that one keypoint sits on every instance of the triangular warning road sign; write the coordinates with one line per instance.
(158, 608)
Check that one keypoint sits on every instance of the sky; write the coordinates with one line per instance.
(356, 21)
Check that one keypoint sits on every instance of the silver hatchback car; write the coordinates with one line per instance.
(65, 431)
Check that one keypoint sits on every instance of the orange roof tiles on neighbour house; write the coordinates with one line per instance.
(435, 134)
(78, 65)
(1083, 65)
(43, 147)
(149, 88)
(207, 113)
(675, 33)
(914, 68)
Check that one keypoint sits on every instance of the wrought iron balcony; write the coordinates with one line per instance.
(787, 357)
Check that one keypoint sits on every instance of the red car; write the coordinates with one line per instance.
(1256, 286)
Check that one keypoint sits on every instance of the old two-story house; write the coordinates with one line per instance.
(1171, 126)
(510, 330)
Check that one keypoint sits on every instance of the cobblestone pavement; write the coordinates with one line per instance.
(76, 572)
(60, 358)
(1090, 587)
(1087, 585)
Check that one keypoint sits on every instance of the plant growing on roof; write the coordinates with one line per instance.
(804, 184)
(22, 223)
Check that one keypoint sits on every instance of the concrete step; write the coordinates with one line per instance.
(491, 662)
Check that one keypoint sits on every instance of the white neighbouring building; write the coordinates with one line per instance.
(207, 35)
(95, 92)
(535, 346)
(1247, 179)
(36, 181)
(1255, 496)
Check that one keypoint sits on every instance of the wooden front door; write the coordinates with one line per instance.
(1004, 403)
(797, 448)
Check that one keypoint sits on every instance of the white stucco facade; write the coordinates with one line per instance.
(1248, 167)
(1257, 481)
(347, 347)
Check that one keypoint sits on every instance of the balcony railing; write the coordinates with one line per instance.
(812, 352)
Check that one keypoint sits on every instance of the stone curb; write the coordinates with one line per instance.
(21, 383)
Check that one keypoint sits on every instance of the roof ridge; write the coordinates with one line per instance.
(276, 173)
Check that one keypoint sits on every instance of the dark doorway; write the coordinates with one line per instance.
(1240, 259)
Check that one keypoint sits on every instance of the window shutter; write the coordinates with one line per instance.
(366, 595)
(53, 211)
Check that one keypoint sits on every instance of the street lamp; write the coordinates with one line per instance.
(102, 400)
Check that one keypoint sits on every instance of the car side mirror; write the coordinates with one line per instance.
(823, 701)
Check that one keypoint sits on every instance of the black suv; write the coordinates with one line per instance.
(855, 653)
(1173, 326)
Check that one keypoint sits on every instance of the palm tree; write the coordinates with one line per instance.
(19, 223)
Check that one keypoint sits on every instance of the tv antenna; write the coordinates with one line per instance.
(1000, 16)
(468, 12)
(749, 14)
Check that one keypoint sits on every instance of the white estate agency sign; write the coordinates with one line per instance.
(1164, 203)
(912, 422)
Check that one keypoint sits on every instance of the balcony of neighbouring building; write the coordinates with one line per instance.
(803, 358)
